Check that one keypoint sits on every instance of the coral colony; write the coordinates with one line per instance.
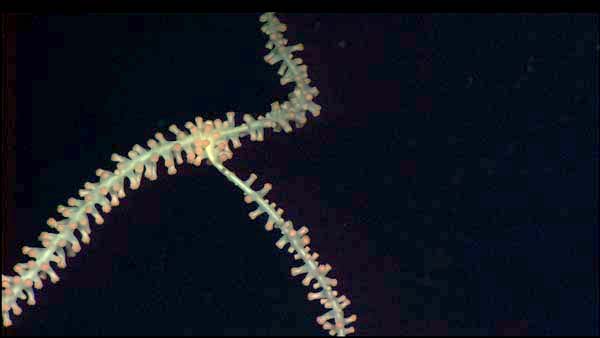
(201, 140)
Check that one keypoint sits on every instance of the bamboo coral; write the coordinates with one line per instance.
(199, 141)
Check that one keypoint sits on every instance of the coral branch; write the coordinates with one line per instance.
(204, 140)
(315, 272)
(199, 141)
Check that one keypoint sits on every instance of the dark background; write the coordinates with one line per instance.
(451, 180)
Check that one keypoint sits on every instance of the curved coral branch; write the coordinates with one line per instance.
(290, 70)
(203, 139)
